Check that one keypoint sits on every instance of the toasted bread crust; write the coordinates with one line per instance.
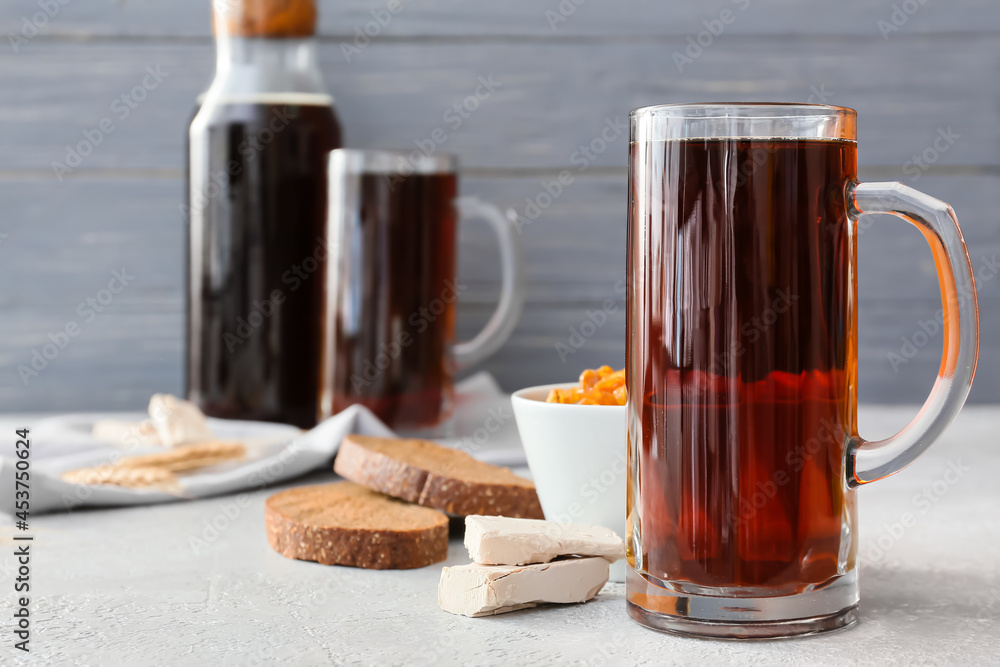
(303, 523)
(428, 474)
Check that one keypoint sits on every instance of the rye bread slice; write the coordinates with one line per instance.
(428, 474)
(347, 524)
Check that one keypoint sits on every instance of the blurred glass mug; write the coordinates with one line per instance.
(742, 362)
(389, 318)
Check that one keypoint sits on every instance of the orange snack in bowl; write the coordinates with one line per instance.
(603, 386)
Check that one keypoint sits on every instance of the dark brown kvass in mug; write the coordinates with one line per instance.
(393, 325)
(744, 389)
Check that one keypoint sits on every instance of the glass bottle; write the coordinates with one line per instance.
(258, 147)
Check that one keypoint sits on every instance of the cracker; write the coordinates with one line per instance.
(158, 470)
(188, 457)
(133, 478)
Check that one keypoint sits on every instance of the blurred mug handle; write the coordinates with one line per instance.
(508, 311)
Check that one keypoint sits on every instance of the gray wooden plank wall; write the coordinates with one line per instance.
(910, 75)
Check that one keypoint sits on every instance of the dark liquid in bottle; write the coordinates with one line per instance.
(394, 303)
(257, 260)
(741, 362)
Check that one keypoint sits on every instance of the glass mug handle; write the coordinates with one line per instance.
(508, 311)
(871, 461)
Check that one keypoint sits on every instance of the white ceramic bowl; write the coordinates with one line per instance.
(577, 458)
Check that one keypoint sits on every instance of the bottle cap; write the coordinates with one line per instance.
(264, 18)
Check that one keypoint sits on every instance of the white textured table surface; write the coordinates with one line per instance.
(162, 585)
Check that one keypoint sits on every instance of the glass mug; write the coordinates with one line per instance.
(389, 312)
(742, 362)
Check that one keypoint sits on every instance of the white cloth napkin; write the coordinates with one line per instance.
(483, 426)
